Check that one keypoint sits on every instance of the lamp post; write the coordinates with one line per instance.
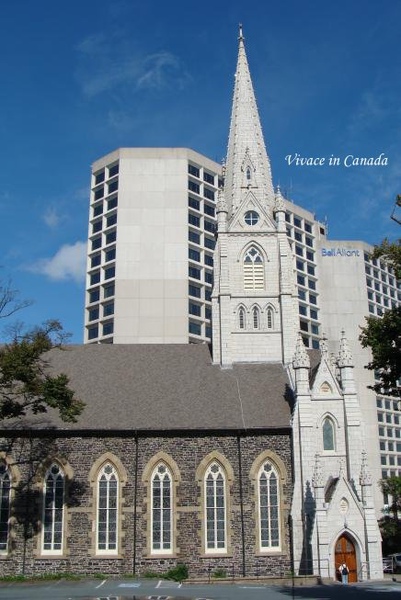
(397, 204)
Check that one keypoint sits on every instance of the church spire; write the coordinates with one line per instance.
(248, 166)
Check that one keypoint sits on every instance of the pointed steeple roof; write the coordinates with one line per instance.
(246, 147)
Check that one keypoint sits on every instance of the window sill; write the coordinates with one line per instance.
(162, 555)
(271, 552)
(210, 555)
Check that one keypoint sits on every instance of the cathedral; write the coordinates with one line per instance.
(246, 459)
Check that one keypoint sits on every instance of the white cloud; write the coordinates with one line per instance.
(108, 63)
(158, 69)
(68, 263)
(52, 218)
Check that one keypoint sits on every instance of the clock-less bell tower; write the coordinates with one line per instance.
(254, 300)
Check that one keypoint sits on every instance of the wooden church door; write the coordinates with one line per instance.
(345, 553)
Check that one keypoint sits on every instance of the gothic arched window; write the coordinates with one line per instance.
(53, 510)
(215, 508)
(5, 492)
(253, 270)
(269, 314)
(162, 513)
(269, 507)
(107, 510)
(241, 318)
(328, 434)
(256, 317)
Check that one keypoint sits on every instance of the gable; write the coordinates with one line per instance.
(341, 500)
(251, 216)
(324, 385)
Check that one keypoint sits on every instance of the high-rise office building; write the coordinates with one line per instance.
(150, 247)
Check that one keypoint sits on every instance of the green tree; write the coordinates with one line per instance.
(390, 524)
(383, 335)
(26, 385)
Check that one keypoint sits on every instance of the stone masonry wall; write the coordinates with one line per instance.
(186, 455)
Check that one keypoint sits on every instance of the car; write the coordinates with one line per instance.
(395, 561)
(387, 565)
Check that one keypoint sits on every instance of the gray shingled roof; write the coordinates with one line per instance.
(159, 387)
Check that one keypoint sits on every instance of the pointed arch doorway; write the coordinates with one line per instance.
(345, 552)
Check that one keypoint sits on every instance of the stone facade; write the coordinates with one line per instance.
(333, 497)
(133, 455)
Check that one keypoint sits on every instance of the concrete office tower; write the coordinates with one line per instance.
(150, 247)
(352, 286)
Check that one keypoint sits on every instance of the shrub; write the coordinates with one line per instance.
(178, 573)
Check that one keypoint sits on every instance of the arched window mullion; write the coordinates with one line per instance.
(53, 510)
(269, 508)
(253, 270)
(270, 318)
(256, 317)
(241, 318)
(215, 509)
(162, 510)
(5, 498)
(107, 510)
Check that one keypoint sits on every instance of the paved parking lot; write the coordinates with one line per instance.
(113, 589)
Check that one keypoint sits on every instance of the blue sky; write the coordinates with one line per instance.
(79, 79)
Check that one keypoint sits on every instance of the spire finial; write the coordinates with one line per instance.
(365, 477)
(345, 356)
(324, 350)
(240, 36)
(318, 478)
(279, 201)
(301, 358)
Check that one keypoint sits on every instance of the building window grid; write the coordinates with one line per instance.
(106, 185)
(305, 263)
(382, 280)
(387, 414)
(198, 242)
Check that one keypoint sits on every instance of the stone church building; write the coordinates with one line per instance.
(248, 459)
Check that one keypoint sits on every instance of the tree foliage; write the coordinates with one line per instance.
(390, 524)
(391, 487)
(26, 385)
(383, 335)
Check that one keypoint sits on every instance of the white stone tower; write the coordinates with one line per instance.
(254, 299)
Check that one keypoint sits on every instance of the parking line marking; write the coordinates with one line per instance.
(100, 584)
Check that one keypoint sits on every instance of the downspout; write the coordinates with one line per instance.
(241, 496)
(301, 472)
(135, 501)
